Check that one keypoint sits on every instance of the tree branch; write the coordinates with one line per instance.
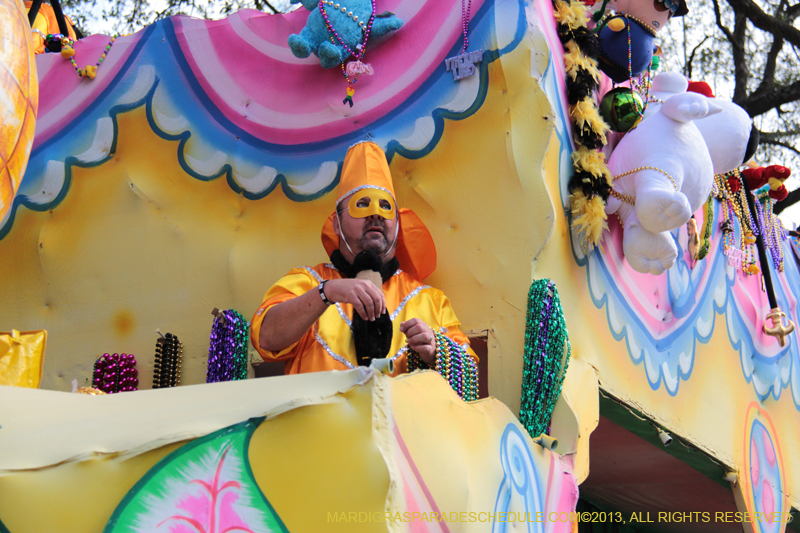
(777, 135)
(721, 26)
(759, 103)
(792, 12)
(782, 144)
(740, 67)
(766, 22)
(768, 79)
(688, 69)
(736, 39)
(274, 10)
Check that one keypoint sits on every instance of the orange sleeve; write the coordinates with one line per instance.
(297, 282)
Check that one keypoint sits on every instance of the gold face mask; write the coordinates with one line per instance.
(368, 202)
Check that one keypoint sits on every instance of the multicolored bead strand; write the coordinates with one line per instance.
(227, 352)
(454, 364)
(737, 220)
(68, 52)
(546, 357)
(644, 79)
(168, 360)
(361, 49)
(115, 373)
(770, 226)
(642, 86)
(54, 41)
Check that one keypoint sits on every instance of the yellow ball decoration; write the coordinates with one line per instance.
(20, 101)
(775, 184)
(616, 24)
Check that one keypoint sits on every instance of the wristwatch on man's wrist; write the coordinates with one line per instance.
(322, 293)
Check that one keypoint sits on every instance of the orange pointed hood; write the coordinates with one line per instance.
(365, 166)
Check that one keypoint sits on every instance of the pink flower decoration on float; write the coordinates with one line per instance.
(213, 511)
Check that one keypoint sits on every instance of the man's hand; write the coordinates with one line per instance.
(420, 339)
(367, 299)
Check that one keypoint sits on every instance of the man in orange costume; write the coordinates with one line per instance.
(368, 302)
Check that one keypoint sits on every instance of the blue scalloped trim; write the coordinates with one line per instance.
(768, 375)
(203, 116)
(653, 353)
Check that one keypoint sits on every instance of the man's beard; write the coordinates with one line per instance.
(379, 245)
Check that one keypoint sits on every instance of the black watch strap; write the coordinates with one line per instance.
(322, 293)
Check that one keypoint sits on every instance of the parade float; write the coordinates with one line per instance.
(184, 168)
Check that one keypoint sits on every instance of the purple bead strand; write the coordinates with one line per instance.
(227, 352)
(115, 373)
(466, 7)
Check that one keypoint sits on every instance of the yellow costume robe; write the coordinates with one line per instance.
(329, 344)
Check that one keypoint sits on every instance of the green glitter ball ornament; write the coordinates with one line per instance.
(621, 108)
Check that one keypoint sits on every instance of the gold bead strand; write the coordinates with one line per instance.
(628, 199)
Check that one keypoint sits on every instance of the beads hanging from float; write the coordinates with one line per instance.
(547, 352)
(68, 52)
(354, 68)
(770, 226)
(737, 220)
(227, 351)
(168, 361)
(115, 373)
(455, 365)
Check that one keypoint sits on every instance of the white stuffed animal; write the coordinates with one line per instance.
(730, 136)
(664, 173)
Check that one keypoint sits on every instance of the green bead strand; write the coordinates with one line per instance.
(546, 357)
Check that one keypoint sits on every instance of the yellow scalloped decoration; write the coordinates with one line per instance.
(20, 85)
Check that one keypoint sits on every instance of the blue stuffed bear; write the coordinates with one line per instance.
(349, 18)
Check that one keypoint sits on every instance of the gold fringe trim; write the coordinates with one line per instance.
(588, 214)
(574, 60)
(573, 15)
(561, 11)
(593, 162)
(585, 113)
(588, 217)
